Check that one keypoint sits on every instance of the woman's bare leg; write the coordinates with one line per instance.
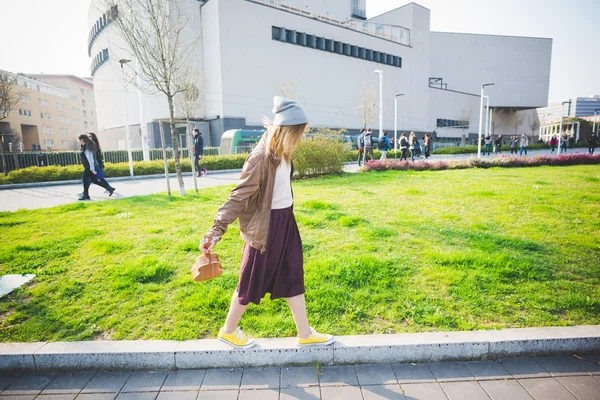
(236, 310)
(297, 305)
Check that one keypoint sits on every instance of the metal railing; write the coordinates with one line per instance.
(394, 33)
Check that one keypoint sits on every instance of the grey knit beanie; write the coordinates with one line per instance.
(288, 112)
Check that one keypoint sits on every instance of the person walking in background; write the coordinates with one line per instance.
(427, 145)
(571, 142)
(413, 142)
(368, 143)
(92, 171)
(198, 152)
(404, 147)
(100, 160)
(553, 143)
(563, 144)
(592, 143)
(524, 143)
(384, 146)
(488, 145)
(361, 145)
(272, 260)
(498, 144)
(514, 144)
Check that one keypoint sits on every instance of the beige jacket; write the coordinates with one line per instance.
(251, 199)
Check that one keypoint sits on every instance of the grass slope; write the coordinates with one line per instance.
(384, 252)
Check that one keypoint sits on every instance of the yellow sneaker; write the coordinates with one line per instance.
(236, 339)
(316, 339)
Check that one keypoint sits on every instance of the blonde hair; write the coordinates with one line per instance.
(282, 140)
(411, 138)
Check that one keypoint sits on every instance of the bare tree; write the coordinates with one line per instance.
(465, 116)
(10, 97)
(367, 110)
(189, 106)
(534, 122)
(517, 121)
(289, 89)
(155, 31)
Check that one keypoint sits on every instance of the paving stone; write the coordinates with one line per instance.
(137, 396)
(179, 395)
(219, 395)
(413, 373)
(502, 390)
(6, 379)
(107, 382)
(303, 393)
(376, 374)
(259, 394)
(588, 364)
(341, 393)
(184, 380)
(96, 396)
(222, 379)
(383, 392)
(464, 390)
(488, 370)
(561, 366)
(21, 397)
(584, 387)
(70, 396)
(295, 377)
(338, 376)
(68, 383)
(450, 371)
(260, 378)
(546, 388)
(29, 384)
(424, 391)
(524, 368)
(145, 381)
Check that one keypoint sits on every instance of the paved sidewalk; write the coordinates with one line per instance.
(555, 378)
(54, 195)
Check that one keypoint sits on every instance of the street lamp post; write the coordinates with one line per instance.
(594, 128)
(380, 73)
(561, 124)
(481, 119)
(396, 124)
(129, 155)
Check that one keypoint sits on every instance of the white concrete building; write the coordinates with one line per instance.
(325, 50)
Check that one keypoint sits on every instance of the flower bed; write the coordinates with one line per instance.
(502, 161)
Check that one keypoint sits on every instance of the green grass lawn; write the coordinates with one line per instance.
(384, 252)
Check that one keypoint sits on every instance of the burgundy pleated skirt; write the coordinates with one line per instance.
(280, 270)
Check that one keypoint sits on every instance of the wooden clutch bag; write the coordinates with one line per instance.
(206, 267)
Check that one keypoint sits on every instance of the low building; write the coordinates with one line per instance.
(576, 107)
(53, 110)
(324, 53)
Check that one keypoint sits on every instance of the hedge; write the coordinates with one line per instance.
(502, 162)
(73, 172)
(319, 155)
(505, 147)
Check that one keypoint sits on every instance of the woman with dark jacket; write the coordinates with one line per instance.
(91, 167)
(100, 159)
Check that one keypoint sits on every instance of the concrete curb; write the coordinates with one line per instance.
(367, 349)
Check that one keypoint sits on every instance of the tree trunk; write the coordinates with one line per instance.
(164, 149)
(16, 158)
(175, 147)
(4, 166)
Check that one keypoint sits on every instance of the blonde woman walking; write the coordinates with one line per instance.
(272, 259)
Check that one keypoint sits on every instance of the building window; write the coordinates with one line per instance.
(76, 121)
(43, 103)
(64, 131)
(62, 119)
(83, 103)
(85, 124)
(76, 109)
(45, 115)
(25, 99)
(61, 107)
(47, 130)
(74, 99)
(84, 114)
(452, 123)
(49, 142)
(82, 92)
(92, 123)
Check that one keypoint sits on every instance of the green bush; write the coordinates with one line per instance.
(319, 155)
(55, 173)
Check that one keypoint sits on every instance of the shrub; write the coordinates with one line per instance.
(503, 162)
(319, 155)
(54, 173)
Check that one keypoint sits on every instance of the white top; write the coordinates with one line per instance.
(91, 160)
(282, 190)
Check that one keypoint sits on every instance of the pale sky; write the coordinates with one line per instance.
(50, 36)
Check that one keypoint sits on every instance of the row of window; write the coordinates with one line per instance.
(97, 62)
(61, 107)
(64, 131)
(24, 99)
(99, 26)
(452, 123)
(41, 88)
(25, 113)
(334, 46)
(43, 103)
(48, 130)
(62, 119)
(44, 115)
